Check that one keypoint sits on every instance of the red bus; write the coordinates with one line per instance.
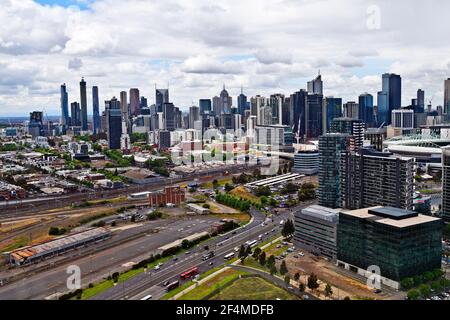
(172, 286)
(189, 273)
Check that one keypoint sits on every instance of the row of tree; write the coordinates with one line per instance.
(234, 202)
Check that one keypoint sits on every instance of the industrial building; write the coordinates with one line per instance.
(371, 178)
(401, 243)
(11, 192)
(316, 230)
(174, 195)
(197, 208)
(40, 252)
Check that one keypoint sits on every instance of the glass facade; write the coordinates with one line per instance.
(333, 110)
(331, 146)
(401, 250)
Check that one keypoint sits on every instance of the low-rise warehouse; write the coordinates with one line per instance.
(198, 209)
(40, 252)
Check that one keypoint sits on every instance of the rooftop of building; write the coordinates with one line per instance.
(28, 251)
(321, 212)
(398, 218)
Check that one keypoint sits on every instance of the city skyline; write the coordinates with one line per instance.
(264, 57)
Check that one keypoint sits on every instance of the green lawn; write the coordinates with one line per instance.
(188, 284)
(209, 286)
(253, 288)
(107, 284)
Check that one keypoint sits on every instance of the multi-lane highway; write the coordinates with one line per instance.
(96, 266)
(152, 282)
(145, 240)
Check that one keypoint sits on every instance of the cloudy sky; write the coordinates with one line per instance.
(194, 46)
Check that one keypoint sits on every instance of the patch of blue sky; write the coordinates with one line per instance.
(82, 4)
(373, 66)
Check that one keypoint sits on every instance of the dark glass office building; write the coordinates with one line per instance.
(314, 117)
(401, 243)
(333, 110)
(366, 109)
(96, 110)
(113, 123)
(205, 106)
(242, 104)
(83, 105)
(297, 112)
(392, 89)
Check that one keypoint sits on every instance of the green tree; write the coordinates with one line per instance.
(283, 268)
(242, 252)
(256, 253)
(287, 280)
(312, 283)
(428, 276)
(262, 258)
(297, 277)
(185, 244)
(413, 294)
(273, 270)
(424, 290)
(263, 191)
(436, 286)
(288, 229)
(301, 287)
(271, 261)
(407, 283)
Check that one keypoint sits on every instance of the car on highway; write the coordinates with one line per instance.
(147, 297)
(187, 252)
(236, 249)
(166, 283)
(175, 259)
(157, 267)
(211, 263)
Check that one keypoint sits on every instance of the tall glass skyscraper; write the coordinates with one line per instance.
(242, 103)
(420, 102)
(162, 96)
(333, 110)
(331, 147)
(205, 105)
(83, 99)
(447, 96)
(314, 117)
(96, 110)
(383, 109)
(298, 112)
(366, 109)
(65, 118)
(135, 102)
(392, 88)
